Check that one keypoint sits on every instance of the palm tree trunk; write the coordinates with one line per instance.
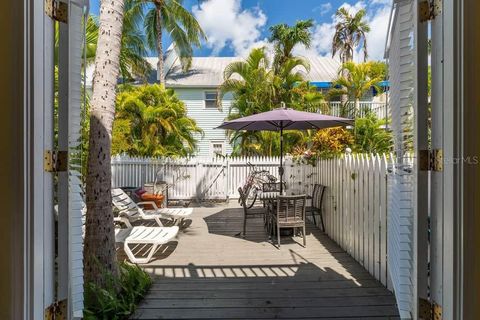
(160, 64)
(99, 250)
(344, 97)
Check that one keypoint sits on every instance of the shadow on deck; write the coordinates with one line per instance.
(212, 274)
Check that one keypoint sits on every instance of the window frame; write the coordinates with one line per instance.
(205, 99)
(212, 148)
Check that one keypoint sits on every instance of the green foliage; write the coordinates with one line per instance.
(377, 70)
(183, 29)
(350, 32)
(285, 38)
(120, 296)
(371, 135)
(257, 87)
(151, 121)
(133, 50)
(356, 79)
(331, 142)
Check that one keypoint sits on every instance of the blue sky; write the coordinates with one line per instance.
(234, 27)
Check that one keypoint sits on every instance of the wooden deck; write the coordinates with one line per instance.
(212, 274)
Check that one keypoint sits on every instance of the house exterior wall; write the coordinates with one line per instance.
(207, 118)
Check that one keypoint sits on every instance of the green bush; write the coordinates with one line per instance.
(121, 295)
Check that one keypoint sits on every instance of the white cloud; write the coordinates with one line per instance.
(323, 8)
(378, 32)
(381, 2)
(322, 35)
(226, 24)
(378, 12)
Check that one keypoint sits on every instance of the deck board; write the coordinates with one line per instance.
(211, 273)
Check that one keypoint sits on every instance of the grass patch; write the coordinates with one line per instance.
(120, 297)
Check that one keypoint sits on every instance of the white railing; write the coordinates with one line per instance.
(355, 203)
(350, 110)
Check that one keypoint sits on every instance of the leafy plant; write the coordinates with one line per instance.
(355, 80)
(330, 142)
(371, 135)
(120, 296)
(151, 121)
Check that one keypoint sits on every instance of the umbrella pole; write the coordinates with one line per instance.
(280, 170)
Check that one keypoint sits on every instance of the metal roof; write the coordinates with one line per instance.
(208, 71)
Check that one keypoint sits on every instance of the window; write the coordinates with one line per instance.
(211, 99)
(216, 147)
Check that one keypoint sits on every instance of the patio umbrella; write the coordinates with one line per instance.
(284, 119)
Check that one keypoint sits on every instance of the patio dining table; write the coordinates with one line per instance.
(269, 201)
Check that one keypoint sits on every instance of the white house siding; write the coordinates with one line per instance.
(207, 118)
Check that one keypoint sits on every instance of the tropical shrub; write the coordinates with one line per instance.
(119, 297)
(151, 121)
(371, 135)
(330, 142)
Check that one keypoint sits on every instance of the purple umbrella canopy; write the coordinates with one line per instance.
(285, 119)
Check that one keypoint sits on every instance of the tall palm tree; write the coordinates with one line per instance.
(133, 50)
(285, 38)
(158, 124)
(180, 24)
(356, 81)
(350, 32)
(99, 249)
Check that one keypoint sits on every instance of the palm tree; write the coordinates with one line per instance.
(133, 50)
(285, 38)
(257, 88)
(252, 83)
(350, 32)
(99, 249)
(155, 121)
(181, 25)
(356, 81)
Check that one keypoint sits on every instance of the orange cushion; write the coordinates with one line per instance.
(157, 198)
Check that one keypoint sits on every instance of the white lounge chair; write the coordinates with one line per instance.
(142, 236)
(134, 211)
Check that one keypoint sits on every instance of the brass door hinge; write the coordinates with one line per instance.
(429, 310)
(55, 161)
(431, 160)
(56, 10)
(429, 9)
(56, 311)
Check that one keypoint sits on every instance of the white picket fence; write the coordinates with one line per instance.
(355, 203)
(356, 208)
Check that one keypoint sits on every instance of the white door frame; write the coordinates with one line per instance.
(42, 253)
(421, 178)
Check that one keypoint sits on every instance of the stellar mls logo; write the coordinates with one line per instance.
(470, 160)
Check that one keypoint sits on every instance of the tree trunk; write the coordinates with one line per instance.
(99, 250)
(344, 97)
(160, 64)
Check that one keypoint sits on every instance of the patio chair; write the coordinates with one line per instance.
(140, 237)
(254, 211)
(317, 201)
(133, 211)
(291, 214)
